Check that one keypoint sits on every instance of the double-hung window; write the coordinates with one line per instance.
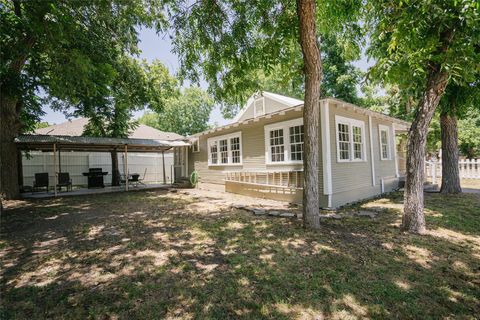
(350, 137)
(213, 153)
(384, 134)
(296, 143)
(277, 146)
(225, 150)
(284, 142)
(195, 145)
(235, 149)
(343, 137)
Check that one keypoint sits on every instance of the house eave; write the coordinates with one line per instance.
(401, 125)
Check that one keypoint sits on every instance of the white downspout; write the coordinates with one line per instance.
(397, 174)
(326, 151)
(372, 160)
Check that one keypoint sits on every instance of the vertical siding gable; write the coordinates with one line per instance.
(271, 106)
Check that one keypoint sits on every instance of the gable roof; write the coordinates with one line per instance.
(288, 102)
(75, 127)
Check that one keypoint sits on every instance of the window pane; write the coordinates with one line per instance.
(235, 148)
(277, 147)
(213, 152)
(384, 143)
(343, 141)
(357, 143)
(224, 151)
(296, 143)
(196, 146)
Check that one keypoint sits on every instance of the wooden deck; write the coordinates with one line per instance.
(85, 191)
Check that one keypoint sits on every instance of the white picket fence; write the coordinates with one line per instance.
(468, 169)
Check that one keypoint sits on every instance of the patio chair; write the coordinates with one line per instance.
(134, 179)
(140, 180)
(64, 181)
(41, 181)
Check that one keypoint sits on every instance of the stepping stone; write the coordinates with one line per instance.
(274, 213)
(259, 212)
(287, 215)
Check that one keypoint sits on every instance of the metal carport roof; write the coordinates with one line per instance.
(99, 144)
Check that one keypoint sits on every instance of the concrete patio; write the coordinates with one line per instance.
(86, 191)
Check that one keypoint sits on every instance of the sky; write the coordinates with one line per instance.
(159, 47)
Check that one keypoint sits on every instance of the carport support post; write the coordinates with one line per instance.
(186, 161)
(59, 161)
(163, 162)
(55, 169)
(125, 167)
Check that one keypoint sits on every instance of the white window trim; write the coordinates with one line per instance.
(385, 128)
(197, 143)
(284, 125)
(350, 122)
(211, 140)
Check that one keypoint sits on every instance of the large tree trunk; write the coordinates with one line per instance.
(306, 12)
(115, 171)
(9, 129)
(10, 109)
(450, 172)
(413, 217)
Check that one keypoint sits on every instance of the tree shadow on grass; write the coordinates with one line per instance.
(162, 258)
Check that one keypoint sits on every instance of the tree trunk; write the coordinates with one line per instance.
(450, 172)
(115, 171)
(413, 218)
(306, 12)
(9, 129)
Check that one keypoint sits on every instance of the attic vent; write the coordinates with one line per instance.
(259, 105)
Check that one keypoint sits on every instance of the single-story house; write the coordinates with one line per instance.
(261, 152)
(153, 166)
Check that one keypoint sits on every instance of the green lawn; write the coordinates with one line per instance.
(151, 255)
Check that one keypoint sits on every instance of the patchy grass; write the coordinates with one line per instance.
(150, 255)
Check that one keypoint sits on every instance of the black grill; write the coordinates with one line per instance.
(95, 177)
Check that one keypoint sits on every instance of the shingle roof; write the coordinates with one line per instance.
(74, 128)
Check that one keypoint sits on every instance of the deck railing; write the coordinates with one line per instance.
(291, 179)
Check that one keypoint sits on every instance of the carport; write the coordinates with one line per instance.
(57, 144)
